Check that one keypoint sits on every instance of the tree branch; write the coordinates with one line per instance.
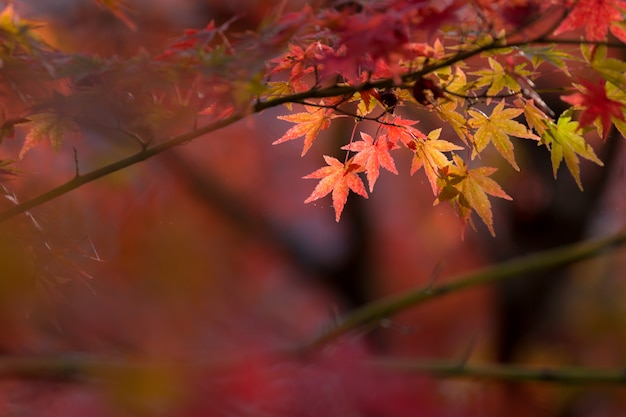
(528, 264)
(142, 155)
(451, 369)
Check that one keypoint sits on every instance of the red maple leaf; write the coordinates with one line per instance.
(339, 178)
(595, 104)
(362, 40)
(401, 130)
(299, 62)
(372, 154)
(597, 17)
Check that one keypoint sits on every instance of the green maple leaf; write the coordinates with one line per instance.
(611, 69)
(617, 94)
(497, 128)
(550, 54)
(565, 141)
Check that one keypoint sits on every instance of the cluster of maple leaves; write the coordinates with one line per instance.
(471, 64)
(431, 74)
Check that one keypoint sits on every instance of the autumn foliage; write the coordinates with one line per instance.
(447, 96)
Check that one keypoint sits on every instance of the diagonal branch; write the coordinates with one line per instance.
(146, 153)
(528, 264)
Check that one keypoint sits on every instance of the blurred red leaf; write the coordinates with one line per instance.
(597, 17)
(595, 104)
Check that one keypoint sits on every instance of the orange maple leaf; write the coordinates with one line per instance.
(597, 17)
(372, 154)
(339, 178)
(592, 99)
(309, 125)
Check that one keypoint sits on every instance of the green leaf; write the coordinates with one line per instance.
(547, 54)
(565, 141)
(611, 69)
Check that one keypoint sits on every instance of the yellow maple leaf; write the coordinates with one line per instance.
(497, 128)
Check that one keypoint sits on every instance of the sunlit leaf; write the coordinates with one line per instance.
(309, 125)
(373, 154)
(338, 178)
(565, 141)
(429, 154)
(497, 129)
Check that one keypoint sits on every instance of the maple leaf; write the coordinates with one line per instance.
(596, 106)
(467, 190)
(365, 39)
(597, 17)
(372, 154)
(549, 54)
(401, 130)
(447, 112)
(7, 171)
(610, 69)
(19, 32)
(338, 178)
(564, 140)
(429, 153)
(278, 89)
(499, 77)
(365, 102)
(615, 93)
(48, 125)
(309, 124)
(535, 118)
(497, 128)
(300, 62)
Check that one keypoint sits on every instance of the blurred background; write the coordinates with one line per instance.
(208, 251)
